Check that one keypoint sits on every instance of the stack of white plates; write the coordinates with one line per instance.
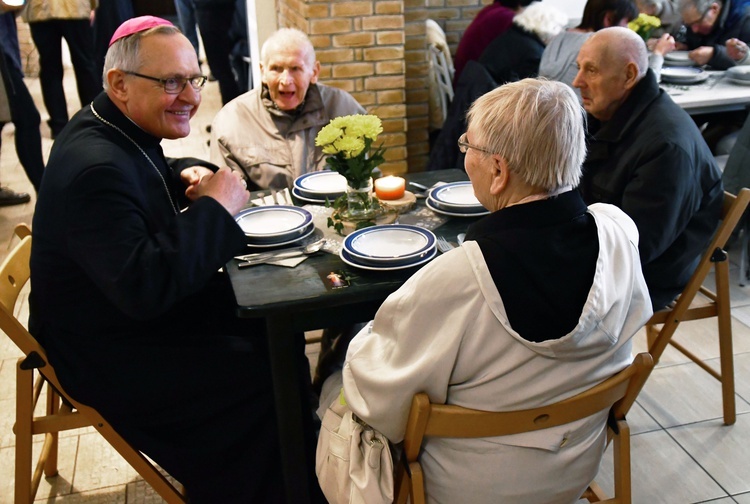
(739, 75)
(316, 187)
(455, 199)
(272, 226)
(388, 247)
(678, 58)
(683, 75)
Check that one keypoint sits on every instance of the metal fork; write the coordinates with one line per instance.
(443, 245)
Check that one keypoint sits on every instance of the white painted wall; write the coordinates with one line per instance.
(573, 8)
(261, 22)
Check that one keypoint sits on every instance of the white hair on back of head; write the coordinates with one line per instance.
(545, 21)
(537, 126)
(286, 37)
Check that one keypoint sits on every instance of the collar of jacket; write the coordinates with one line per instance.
(628, 115)
(542, 213)
(109, 111)
(313, 102)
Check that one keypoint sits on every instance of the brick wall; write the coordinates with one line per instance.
(375, 49)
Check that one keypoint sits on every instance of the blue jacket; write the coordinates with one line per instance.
(733, 22)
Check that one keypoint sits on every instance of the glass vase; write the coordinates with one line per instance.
(359, 201)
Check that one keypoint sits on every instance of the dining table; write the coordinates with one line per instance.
(718, 93)
(297, 299)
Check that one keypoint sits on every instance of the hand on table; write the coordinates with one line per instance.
(664, 44)
(736, 49)
(225, 186)
(702, 55)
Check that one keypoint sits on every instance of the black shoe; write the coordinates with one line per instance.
(10, 198)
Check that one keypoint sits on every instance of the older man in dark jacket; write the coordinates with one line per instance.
(647, 156)
(709, 24)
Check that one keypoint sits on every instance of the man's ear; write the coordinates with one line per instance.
(631, 75)
(499, 176)
(316, 71)
(117, 85)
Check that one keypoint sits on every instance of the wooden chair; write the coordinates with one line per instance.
(711, 304)
(616, 393)
(61, 413)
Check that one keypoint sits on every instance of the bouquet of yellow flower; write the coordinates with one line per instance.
(348, 140)
(644, 24)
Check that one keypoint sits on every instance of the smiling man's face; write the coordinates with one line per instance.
(288, 74)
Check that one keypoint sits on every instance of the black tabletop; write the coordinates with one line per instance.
(266, 290)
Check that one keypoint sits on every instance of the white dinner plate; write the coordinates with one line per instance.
(273, 223)
(307, 232)
(320, 184)
(741, 82)
(319, 201)
(389, 243)
(679, 57)
(435, 209)
(351, 261)
(455, 196)
(683, 75)
(740, 72)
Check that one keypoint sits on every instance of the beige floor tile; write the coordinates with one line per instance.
(715, 448)
(701, 338)
(99, 465)
(742, 498)
(111, 495)
(742, 376)
(662, 473)
(640, 421)
(682, 394)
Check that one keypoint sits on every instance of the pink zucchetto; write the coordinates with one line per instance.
(137, 24)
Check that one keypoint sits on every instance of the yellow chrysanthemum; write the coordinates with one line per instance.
(351, 146)
(327, 135)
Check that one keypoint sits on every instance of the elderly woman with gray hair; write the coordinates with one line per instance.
(538, 304)
(516, 54)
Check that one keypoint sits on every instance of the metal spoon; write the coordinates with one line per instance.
(264, 257)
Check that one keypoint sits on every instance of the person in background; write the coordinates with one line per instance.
(667, 12)
(109, 15)
(51, 21)
(188, 23)
(492, 21)
(545, 295)
(646, 156)
(709, 25)
(22, 112)
(215, 18)
(127, 298)
(516, 54)
(559, 57)
(268, 134)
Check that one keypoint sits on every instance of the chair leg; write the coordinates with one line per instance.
(622, 463)
(726, 353)
(417, 483)
(23, 431)
(53, 408)
(744, 242)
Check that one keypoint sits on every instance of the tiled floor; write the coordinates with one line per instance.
(682, 453)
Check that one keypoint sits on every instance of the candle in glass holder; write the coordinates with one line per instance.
(390, 187)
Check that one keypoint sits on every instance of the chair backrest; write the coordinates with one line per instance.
(731, 213)
(14, 274)
(616, 393)
(441, 74)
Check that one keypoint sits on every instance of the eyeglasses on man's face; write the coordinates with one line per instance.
(464, 146)
(695, 25)
(175, 85)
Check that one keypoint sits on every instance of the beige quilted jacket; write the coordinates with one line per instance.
(44, 10)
